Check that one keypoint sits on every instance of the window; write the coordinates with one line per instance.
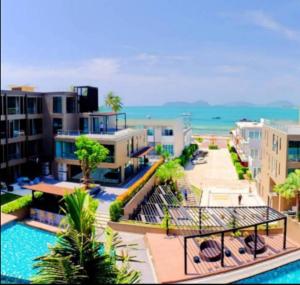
(84, 125)
(71, 105)
(169, 148)
(167, 132)
(57, 125)
(294, 151)
(111, 155)
(35, 127)
(15, 105)
(150, 132)
(57, 105)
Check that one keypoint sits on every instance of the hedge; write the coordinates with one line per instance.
(240, 169)
(19, 203)
(115, 211)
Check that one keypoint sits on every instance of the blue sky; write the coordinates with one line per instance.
(150, 52)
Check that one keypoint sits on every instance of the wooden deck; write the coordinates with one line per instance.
(168, 256)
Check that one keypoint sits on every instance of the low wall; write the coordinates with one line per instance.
(21, 214)
(140, 228)
(138, 197)
(293, 230)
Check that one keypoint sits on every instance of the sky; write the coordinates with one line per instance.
(150, 52)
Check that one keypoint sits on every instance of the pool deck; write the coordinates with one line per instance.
(168, 257)
(6, 218)
(42, 226)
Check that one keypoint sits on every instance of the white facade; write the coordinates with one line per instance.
(173, 135)
(246, 139)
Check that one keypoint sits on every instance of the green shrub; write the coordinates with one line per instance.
(19, 203)
(115, 211)
(213, 146)
(200, 140)
(234, 157)
(240, 174)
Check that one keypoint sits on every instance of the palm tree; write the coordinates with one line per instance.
(291, 189)
(170, 172)
(114, 102)
(77, 257)
(159, 149)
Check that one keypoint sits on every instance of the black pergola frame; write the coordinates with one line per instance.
(223, 232)
(105, 115)
(242, 217)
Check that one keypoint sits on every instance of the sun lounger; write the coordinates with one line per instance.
(210, 251)
(250, 244)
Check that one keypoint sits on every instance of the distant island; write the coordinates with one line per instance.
(201, 103)
(198, 103)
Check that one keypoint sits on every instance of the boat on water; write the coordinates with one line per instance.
(216, 118)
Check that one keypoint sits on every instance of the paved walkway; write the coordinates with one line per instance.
(219, 182)
(6, 218)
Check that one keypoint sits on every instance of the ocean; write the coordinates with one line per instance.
(203, 119)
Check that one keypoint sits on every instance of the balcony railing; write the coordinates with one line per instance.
(78, 133)
(18, 133)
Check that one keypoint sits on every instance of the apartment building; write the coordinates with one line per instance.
(29, 122)
(246, 139)
(127, 148)
(280, 156)
(172, 134)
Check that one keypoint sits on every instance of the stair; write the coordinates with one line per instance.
(101, 220)
(184, 184)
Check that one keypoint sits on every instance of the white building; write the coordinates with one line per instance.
(172, 134)
(246, 139)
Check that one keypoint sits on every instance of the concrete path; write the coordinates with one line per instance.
(219, 182)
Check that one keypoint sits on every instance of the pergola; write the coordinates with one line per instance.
(207, 221)
(48, 189)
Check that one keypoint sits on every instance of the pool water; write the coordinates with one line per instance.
(20, 244)
(287, 274)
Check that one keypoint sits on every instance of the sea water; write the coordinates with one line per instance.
(203, 119)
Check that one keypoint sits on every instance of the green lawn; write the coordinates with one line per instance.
(8, 197)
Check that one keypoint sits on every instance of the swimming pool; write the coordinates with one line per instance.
(20, 244)
(286, 274)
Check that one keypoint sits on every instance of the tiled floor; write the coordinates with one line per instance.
(5, 218)
(168, 257)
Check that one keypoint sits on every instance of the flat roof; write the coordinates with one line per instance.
(50, 189)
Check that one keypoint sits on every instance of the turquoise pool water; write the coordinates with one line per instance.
(287, 274)
(20, 244)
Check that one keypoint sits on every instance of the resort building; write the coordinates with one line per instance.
(173, 134)
(280, 156)
(30, 121)
(127, 148)
(246, 139)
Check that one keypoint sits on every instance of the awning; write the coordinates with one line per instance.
(50, 189)
(142, 152)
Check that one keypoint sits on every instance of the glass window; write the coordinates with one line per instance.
(294, 151)
(57, 105)
(169, 148)
(71, 105)
(150, 132)
(167, 132)
(57, 125)
(84, 125)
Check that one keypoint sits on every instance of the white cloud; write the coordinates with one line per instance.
(265, 21)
